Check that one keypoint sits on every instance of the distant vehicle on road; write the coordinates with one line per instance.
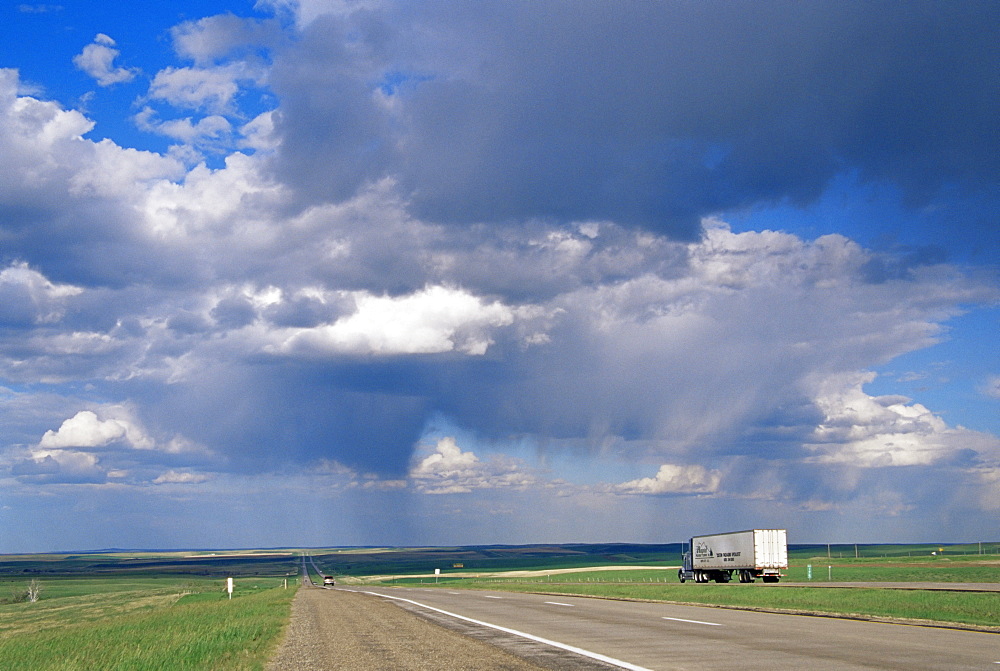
(757, 553)
(328, 580)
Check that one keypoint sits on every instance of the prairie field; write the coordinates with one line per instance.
(143, 624)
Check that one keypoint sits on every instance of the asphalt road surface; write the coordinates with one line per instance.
(599, 633)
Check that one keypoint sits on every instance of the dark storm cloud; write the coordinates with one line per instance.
(274, 415)
(650, 113)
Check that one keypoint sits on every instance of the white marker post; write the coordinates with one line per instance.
(437, 572)
(229, 587)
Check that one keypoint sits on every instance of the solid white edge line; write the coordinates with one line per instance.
(678, 619)
(531, 637)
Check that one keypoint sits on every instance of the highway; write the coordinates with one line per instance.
(637, 636)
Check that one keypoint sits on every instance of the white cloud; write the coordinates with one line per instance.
(42, 150)
(231, 200)
(447, 459)
(258, 133)
(180, 477)
(97, 60)
(433, 320)
(991, 387)
(212, 89)
(215, 37)
(32, 126)
(85, 429)
(27, 296)
(60, 466)
(212, 130)
(449, 470)
(674, 479)
(870, 431)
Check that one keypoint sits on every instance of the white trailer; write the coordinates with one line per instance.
(757, 553)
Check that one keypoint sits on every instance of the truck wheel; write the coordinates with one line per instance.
(680, 576)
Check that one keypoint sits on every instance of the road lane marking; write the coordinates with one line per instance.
(678, 619)
(531, 637)
(493, 597)
(556, 603)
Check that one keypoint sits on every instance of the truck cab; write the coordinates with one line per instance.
(328, 581)
(688, 572)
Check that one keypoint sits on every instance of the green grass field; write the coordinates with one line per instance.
(143, 624)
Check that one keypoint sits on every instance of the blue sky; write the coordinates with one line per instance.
(361, 273)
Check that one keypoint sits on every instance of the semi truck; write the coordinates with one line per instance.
(757, 553)
(328, 581)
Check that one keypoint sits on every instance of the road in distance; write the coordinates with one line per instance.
(666, 636)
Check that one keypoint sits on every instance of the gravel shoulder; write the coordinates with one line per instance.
(334, 629)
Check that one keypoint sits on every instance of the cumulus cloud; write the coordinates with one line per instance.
(85, 429)
(434, 320)
(214, 38)
(210, 130)
(449, 470)
(211, 89)
(97, 60)
(60, 466)
(674, 479)
(27, 297)
(863, 430)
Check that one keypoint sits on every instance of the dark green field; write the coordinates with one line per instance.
(961, 563)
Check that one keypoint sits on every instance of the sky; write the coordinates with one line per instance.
(365, 272)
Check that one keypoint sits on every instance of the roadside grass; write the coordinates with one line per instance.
(144, 625)
(959, 569)
(964, 569)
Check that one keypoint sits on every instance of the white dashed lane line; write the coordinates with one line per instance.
(556, 603)
(538, 639)
(677, 619)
